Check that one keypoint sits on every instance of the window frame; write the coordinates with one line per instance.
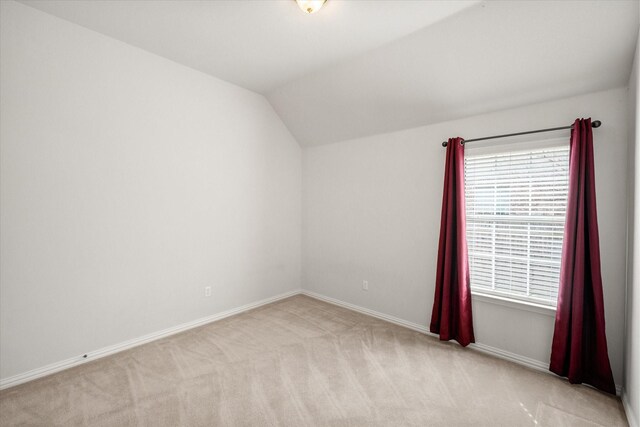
(514, 145)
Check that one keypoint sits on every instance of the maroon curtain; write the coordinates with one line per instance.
(451, 316)
(579, 350)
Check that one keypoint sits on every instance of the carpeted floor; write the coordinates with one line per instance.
(302, 362)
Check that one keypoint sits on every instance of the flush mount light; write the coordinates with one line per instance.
(310, 6)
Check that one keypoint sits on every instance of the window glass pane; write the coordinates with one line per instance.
(516, 205)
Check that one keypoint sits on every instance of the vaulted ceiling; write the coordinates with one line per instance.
(358, 68)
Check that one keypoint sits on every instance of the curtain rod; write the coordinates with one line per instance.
(595, 124)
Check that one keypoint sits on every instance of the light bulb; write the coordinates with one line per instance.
(310, 6)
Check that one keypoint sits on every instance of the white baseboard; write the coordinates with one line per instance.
(106, 351)
(372, 313)
(483, 348)
(631, 417)
(512, 357)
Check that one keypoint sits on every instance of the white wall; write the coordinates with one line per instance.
(631, 392)
(371, 211)
(128, 183)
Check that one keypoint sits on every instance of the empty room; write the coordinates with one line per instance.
(319, 213)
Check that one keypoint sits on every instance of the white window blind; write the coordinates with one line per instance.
(515, 204)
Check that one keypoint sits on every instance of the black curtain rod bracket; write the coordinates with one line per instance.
(594, 124)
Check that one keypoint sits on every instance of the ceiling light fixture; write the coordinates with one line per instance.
(310, 6)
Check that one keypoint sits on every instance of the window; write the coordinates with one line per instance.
(515, 204)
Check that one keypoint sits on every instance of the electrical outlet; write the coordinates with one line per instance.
(365, 285)
(207, 291)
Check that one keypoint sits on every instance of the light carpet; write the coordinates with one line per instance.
(303, 362)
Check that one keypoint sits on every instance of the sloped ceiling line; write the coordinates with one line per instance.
(360, 68)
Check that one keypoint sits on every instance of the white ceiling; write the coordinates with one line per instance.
(494, 56)
(358, 68)
(256, 44)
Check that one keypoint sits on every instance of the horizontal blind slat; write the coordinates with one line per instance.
(515, 205)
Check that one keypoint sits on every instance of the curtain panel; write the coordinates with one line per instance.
(451, 317)
(579, 349)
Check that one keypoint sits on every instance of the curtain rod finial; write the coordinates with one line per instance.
(444, 143)
(596, 124)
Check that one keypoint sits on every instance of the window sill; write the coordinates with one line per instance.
(514, 303)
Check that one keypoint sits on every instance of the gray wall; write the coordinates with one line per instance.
(128, 184)
(631, 392)
(371, 211)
